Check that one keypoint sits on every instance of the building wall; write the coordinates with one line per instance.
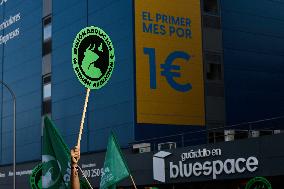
(21, 70)
(253, 38)
(110, 108)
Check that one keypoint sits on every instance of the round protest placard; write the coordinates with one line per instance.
(93, 57)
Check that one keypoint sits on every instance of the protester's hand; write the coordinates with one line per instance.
(75, 155)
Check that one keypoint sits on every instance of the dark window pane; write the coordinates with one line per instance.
(46, 49)
(47, 21)
(211, 7)
(47, 28)
(46, 79)
(46, 107)
(214, 72)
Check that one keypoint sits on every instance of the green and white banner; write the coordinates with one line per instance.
(55, 158)
(54, 172)
(115, 168)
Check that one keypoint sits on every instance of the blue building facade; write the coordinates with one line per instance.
(253, 66)
(110, 108)
(21, 27)
(253, 37)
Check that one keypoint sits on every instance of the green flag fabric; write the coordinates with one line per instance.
(35, 179)
(115, 169)
(56, 169)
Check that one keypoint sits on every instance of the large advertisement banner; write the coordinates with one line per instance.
(169, 68)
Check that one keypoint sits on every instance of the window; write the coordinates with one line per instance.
(46, 48)
(46, 107)
(47, 28)
(46, 57)
(47, 32)
(229, 135)
(253, 133)
(46, 87)
(211, 14)
(213, 66)
(47, 91)
(211, 7)
(46, 79)
(46, 94)
(214, 72)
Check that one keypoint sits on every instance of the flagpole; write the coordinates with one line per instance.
(83, 117)
(85, 177)
(133, 181)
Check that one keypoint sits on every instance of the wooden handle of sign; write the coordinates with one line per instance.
(133, 182)
(83, 118)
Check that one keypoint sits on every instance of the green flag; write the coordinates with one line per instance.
(35, 177)
(56, 158)
(54, 172)
(115, 168)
